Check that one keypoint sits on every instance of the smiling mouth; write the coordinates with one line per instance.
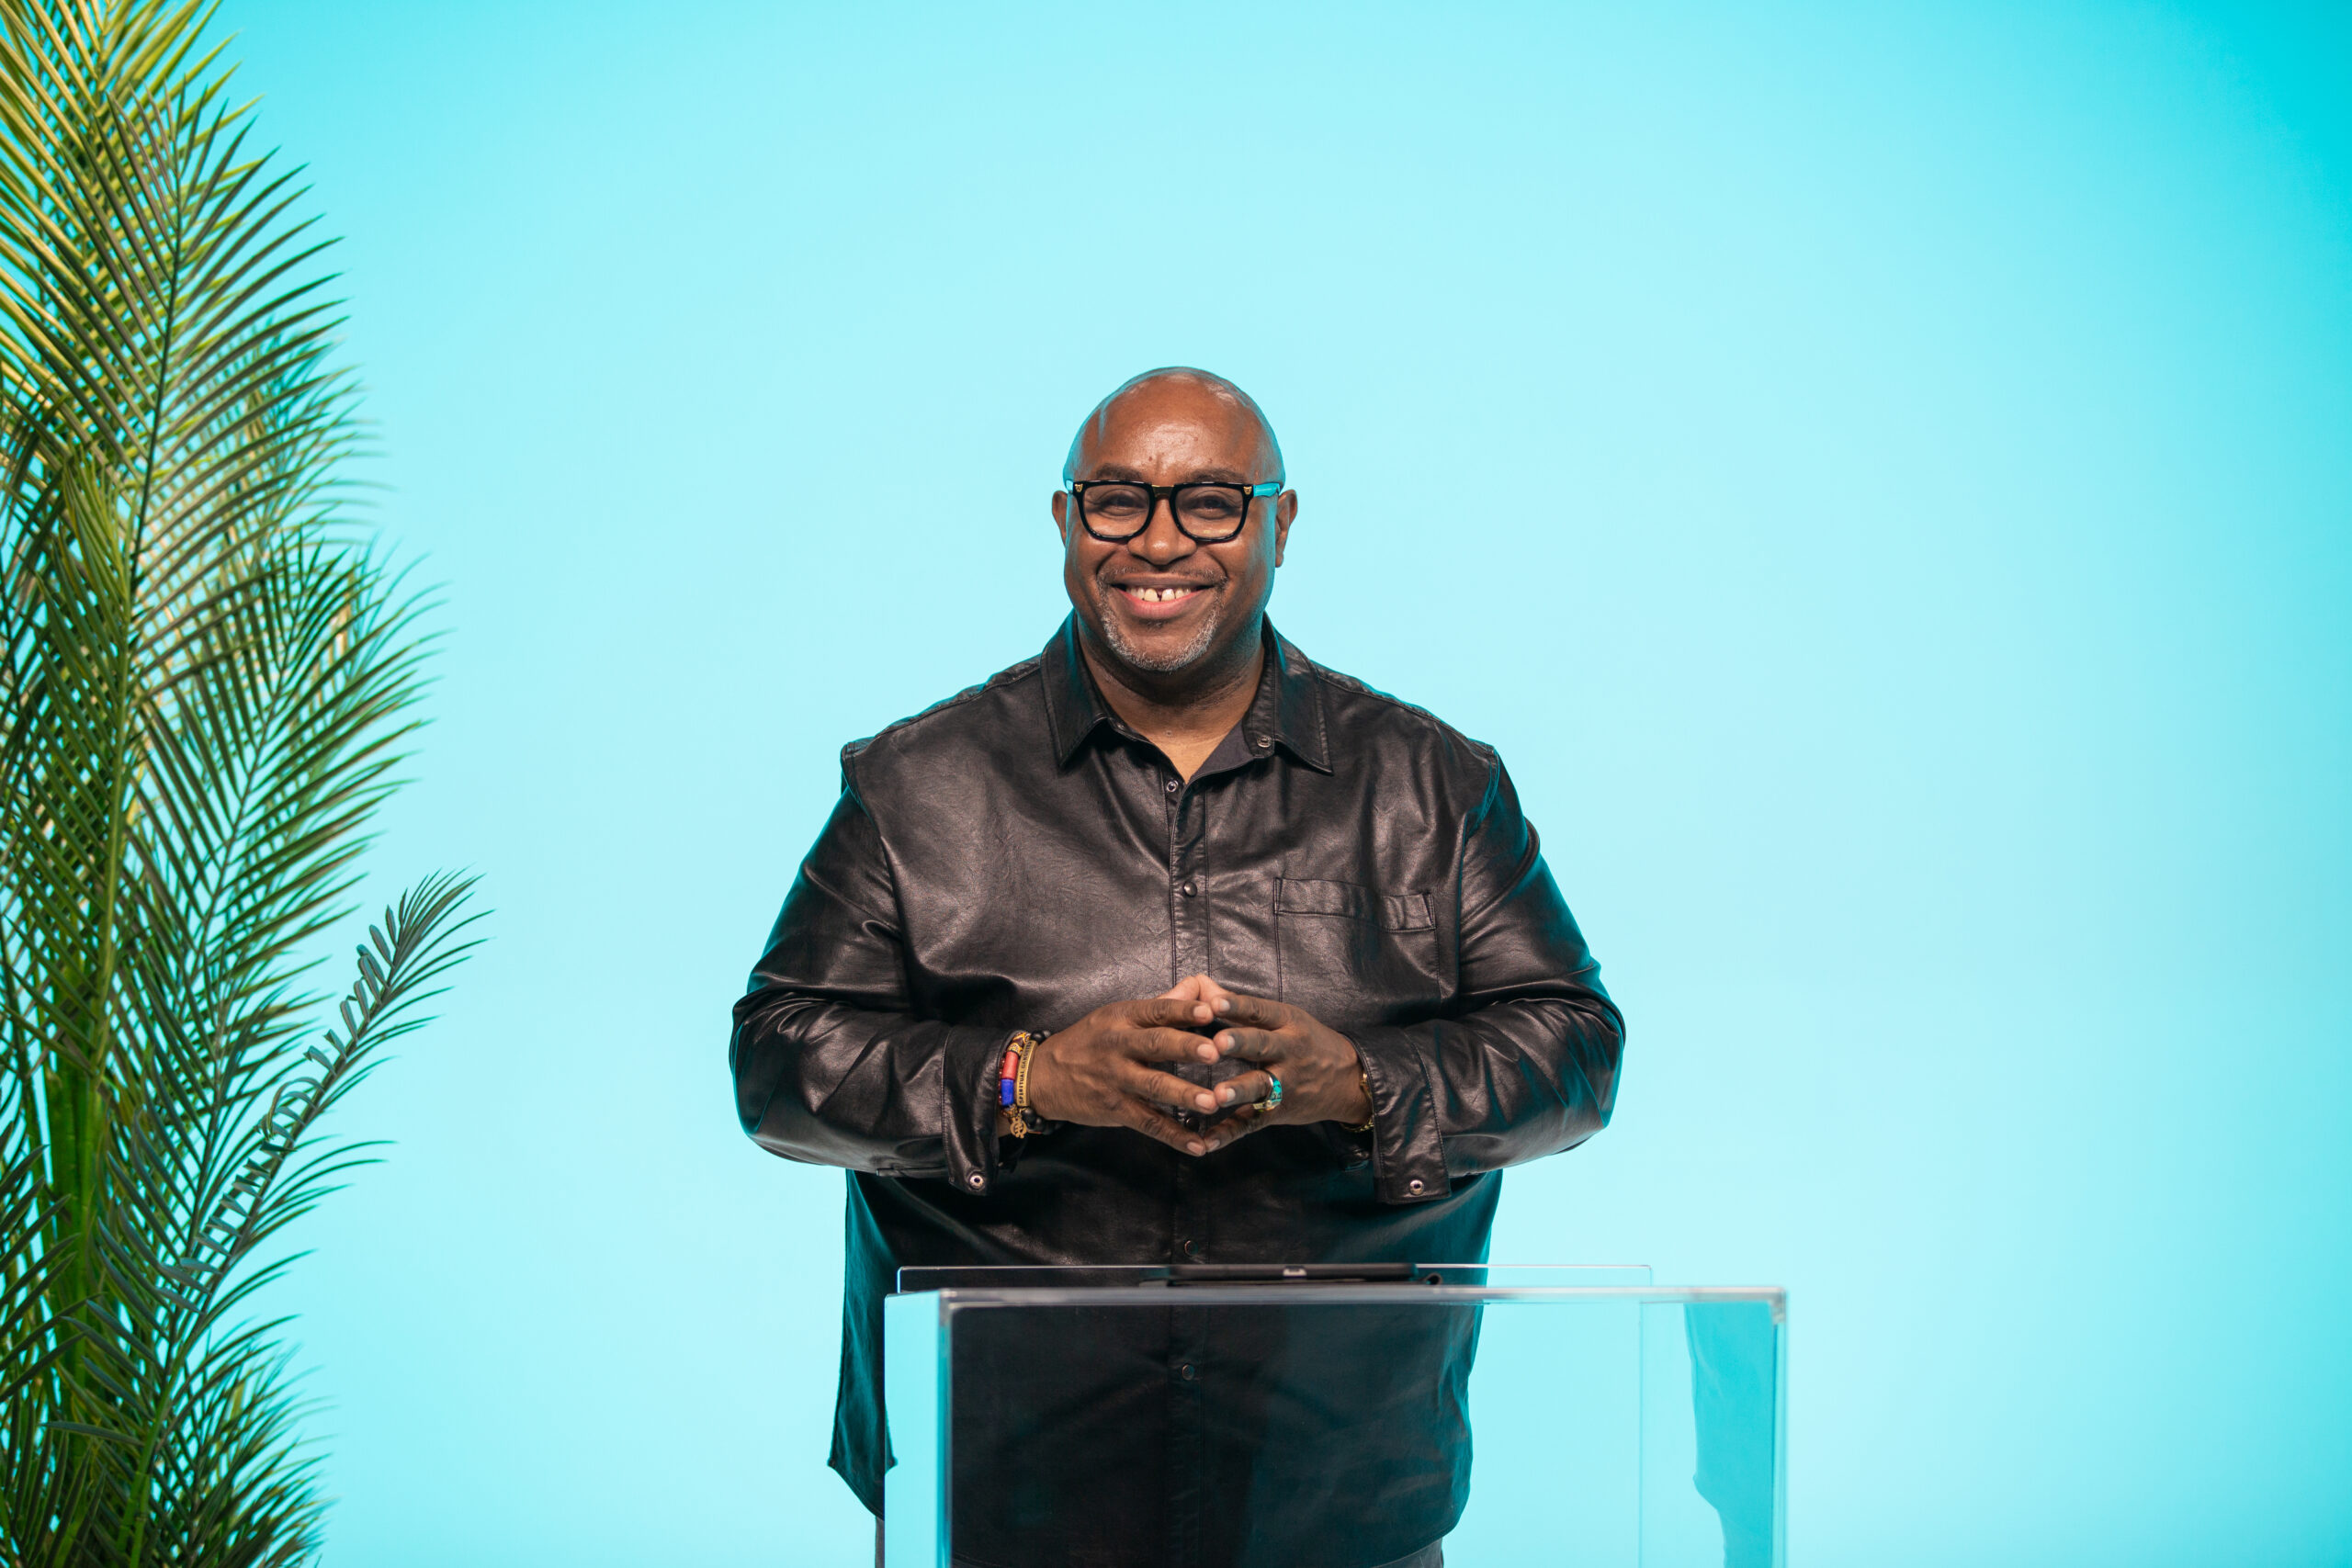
(1160, 595)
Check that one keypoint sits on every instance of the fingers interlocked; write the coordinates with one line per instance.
(1102, 1070)
(1106, 1070)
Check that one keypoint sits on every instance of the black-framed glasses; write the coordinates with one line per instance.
(1115, 511)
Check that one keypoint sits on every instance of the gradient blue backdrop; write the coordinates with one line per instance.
(1879, 474)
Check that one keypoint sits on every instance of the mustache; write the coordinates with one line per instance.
(1110, 579)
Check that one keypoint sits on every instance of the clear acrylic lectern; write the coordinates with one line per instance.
(1589, 1415)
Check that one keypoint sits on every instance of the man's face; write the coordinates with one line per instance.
(1161, 603)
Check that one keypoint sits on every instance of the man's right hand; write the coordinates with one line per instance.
(1098, 1071)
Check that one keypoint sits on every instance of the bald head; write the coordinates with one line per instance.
(1176, 377)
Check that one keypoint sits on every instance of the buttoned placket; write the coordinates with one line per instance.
(1188, 925)
(1185, 804)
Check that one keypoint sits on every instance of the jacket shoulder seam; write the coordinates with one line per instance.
(1479, 748)
(1002, 678)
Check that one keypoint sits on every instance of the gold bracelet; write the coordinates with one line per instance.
(1365, 1079)
(1025, 1118)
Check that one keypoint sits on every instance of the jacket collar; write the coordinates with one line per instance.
(1287, 711)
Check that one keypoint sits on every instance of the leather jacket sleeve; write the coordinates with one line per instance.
(831, 1065)
(1525, 1063)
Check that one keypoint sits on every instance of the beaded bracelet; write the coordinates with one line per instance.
(1012, 1085)
(1008, 1074)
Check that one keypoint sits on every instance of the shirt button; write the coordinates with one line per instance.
(1414, 1185)
(1262, 743)
(1186, 890)
(1189, 1373)
(976, 1179)
(1192, 1249)
(1173, 786)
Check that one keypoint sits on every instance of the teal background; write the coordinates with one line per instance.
(1881, 474)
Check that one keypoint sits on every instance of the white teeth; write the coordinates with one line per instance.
(1158, 595)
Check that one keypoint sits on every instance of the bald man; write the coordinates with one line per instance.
(1170, 946)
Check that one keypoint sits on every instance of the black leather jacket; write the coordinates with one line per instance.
(1017, 856)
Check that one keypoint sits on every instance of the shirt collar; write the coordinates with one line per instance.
(1287, 712)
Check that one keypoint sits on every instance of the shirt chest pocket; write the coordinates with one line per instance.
(1351, 954)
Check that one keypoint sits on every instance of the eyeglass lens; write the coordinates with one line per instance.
(1205, 511)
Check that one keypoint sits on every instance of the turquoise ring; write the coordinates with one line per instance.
(1274, 1094)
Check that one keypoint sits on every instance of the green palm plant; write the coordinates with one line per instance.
(205, 681)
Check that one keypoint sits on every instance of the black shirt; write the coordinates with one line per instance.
(1017, 856)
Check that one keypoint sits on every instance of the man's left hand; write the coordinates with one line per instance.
(1321, 1073)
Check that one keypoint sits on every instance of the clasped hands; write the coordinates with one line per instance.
(1107, 1069)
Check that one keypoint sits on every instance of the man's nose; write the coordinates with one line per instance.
(1161, 540)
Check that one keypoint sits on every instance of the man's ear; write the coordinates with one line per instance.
(1286, 510)
(1062, 515)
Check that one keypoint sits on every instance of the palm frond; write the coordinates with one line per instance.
(205, 687)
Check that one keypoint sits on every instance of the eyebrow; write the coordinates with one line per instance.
(1124, 475)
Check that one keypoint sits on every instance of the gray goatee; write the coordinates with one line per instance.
(1159, 664)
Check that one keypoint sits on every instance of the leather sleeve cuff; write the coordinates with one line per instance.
(968, 1077)
(1407, 1152)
